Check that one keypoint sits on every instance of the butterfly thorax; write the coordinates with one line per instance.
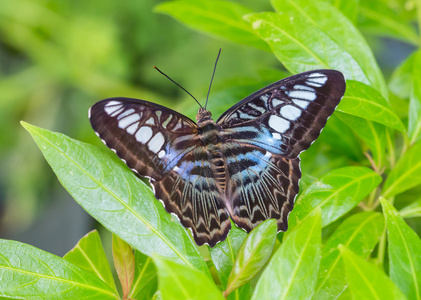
(209, 134)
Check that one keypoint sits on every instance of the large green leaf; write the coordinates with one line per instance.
(89, 255)
(404, 253)
(223, 257)
(363, 101)
(114, 196)
(253, 254)
(181, 282)
(292, 271)
(359, 233)
(145, 281)
(28, 272)
(406, 174)
(219, 18)
(303, 40)
(366, 281)
(124, 264)
(373, 134)
(336, 193)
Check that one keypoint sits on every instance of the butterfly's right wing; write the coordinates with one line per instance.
(163, 145)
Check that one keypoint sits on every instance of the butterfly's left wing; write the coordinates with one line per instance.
(264, 134)
(163, 145)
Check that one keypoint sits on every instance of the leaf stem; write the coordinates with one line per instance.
(371, 199)
(382, 243)
(391, 148)
(382, 249)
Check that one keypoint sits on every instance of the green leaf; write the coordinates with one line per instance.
(124, 264)
(377, 18)
(307, 35)
(366, 281)
(363, 101)
(340, 137)
(181, 282)
(253, 254)
(406, 174)
(89, 254)
(373, 134)
(359, 233)
(221, 19)
(223, 257)
(145, 281)
(404, 253)
(336, 193)
(27, 272)
(112, 194)
(292, 271)
(414, 114)
(411, 211)
(348, 7)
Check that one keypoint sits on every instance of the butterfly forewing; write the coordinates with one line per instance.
(161, 144)
(286, 116)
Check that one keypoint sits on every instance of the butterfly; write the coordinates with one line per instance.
(244, 167)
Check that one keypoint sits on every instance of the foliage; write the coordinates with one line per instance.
(348, 234)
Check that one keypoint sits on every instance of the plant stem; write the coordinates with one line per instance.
(391, 148)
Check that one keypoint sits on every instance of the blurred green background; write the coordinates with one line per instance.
(57, 58)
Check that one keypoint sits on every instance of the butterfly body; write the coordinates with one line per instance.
(244, 166)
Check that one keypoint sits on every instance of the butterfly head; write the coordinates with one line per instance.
(203, 116)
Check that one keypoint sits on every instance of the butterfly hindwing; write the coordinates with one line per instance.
(261, 185)
(161, 144)
(286, 116)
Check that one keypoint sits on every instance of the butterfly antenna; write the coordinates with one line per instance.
(213, 74)
(178, 85)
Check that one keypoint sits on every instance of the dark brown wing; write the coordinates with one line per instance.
(264, 134)
(161, 144)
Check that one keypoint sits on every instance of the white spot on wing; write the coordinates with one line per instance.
(132, 128)
(126, 113)
(268, 154)
(143, 134)
(258, 108)
(290, 112)
(278, 124)
(150, 121)
(276, 102)
(123, 123)
(112, 106)
(155, 144)
(301, 103)
(176, 169)
(310, 96)
(161, 154)
(264, 97)
(276, 136)
(316, 79)
(167, 120)
(304, 87)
